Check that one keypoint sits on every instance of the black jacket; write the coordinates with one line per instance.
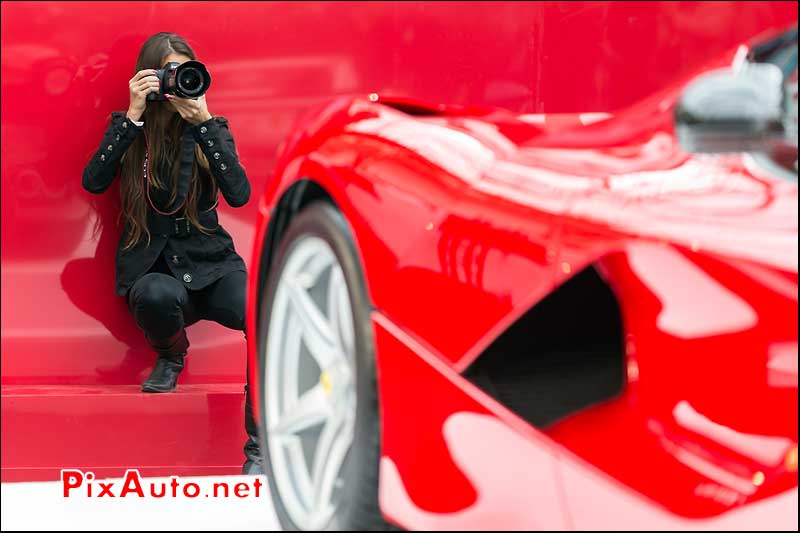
(194, 258)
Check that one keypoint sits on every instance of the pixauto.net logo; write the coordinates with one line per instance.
(80, 484)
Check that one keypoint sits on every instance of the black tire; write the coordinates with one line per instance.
(359, 508)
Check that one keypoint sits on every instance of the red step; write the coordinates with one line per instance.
(106, 429)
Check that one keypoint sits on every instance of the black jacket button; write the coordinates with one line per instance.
(216, 155)
(203, 129)
(187, 278)
(210, 142)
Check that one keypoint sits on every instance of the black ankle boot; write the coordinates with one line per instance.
(164, 376)
(252, 453)
(169, 364)
(252, 465)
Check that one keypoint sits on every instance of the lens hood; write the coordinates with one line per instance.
(191, 79)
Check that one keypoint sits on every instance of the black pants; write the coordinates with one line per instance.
(163, 308)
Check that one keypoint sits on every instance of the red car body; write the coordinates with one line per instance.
(466, 217)
(476, 216)
(554, 152)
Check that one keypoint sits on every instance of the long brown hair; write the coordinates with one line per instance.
(163, 129)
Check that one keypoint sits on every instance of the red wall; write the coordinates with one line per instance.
(65, 67)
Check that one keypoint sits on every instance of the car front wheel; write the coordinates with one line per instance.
(319, 407)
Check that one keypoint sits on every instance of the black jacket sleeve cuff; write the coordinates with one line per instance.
(119, 135)
(119, 119)
(216, 142)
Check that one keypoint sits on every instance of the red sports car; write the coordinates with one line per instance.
(472, 318)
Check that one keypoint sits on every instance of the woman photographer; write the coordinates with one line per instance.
(175, 264)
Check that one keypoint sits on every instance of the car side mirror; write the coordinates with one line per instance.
(728, 111)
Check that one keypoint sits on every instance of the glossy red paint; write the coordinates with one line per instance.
(475, 214)
(480, 481)
(480, 218)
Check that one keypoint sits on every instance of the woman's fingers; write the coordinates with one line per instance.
(146, 89)
(191, 110)
(143, 86)
(147, 80)
(186, 102)
(146, 85)
(144, 82)
(184, 108)
(150, 86)
(143, 73)
(180, 102)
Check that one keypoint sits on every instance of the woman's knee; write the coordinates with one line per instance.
(157, 296)
(231, 312)
(228, 303)
(240, 300)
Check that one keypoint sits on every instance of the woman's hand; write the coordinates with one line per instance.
(142, 83)
(193, 111)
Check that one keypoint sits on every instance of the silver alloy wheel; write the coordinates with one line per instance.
(310, 382)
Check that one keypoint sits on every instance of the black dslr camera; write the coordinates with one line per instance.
(186, 80)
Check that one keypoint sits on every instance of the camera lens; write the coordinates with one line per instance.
(190, 80)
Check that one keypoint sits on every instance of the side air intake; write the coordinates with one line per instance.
(565, 354)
